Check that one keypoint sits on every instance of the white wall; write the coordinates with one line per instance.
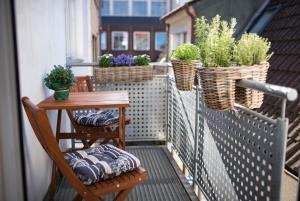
(41, 44)
(78, 34)
(48, 31)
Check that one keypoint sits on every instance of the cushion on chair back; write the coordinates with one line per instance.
(99, 118)
(99, 163)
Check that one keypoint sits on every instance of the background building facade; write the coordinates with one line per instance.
(133, 27)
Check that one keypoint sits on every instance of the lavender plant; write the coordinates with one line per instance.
(123, 60)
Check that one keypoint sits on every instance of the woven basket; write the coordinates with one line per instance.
(184, 74)
(123, 74)
(218, 85)
(249, 97)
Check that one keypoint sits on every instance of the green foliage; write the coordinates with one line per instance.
(215, 41)
(252, 49)
(142, 60)
(59, 78)
(186, 52)
(106, 60)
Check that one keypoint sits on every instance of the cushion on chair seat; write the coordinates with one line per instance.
(99, 163)
(99, 118)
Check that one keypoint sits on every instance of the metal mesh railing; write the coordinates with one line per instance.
(236, 155)
(239, 155)
(181, 119)
(147, 110)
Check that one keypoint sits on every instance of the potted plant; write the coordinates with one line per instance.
(184, 62)
(60, 80)
(224, 62)
(217, 74)
(251, 53)
(123, 68)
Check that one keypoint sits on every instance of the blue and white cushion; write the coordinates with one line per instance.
(99, 118)
(99, 163)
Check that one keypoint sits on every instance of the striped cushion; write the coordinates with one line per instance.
(99, 163)
(99, 118)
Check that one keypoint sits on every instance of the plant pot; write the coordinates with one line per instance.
(249, 97)
(123, 74)
(184, 74)
(61, 94)
(218, 86)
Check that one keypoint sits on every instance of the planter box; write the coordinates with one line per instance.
(219, 86)
(249, 97)
(184, 74)
(123, 74)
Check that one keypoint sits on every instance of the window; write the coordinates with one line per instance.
(160, 40)
(103, 38)
(264, 19)
(141, 40)
(105, 7)
(139, 8)
(179, 39)
(119, 40)
(158, 7)
(120, 7)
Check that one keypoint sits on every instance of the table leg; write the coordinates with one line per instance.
(122, 126)
(58, 124)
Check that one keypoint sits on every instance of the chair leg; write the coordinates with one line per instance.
(52, 186)
(123, 194)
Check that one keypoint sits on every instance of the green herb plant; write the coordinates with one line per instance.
(59, 78)
(252, 49)
(106, 60)
(142, 60)
(215, 41)
(186, 52)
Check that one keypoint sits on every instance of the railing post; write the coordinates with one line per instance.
(196, 136)
(168, 105)
(283, 108)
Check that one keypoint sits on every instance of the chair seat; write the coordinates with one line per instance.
(99, 163)
(99, 118)
(121, 182)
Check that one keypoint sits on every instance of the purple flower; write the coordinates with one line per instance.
(123, 60)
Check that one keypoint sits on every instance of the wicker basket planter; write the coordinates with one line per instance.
(218, 86)
(123, 74)
(249, 97)
(184, 74)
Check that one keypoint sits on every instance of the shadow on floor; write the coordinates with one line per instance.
(164, 184)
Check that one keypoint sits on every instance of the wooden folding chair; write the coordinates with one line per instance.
(106, 133)
(122, 184)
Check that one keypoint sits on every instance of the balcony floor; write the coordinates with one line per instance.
(165, 183)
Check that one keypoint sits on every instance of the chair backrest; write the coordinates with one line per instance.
(82, 84)
(42, 129)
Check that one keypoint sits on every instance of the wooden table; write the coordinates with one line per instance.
(89, 100)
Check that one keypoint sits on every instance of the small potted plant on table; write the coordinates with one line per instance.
(60, 80)
(184, 62)
(123, 68)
